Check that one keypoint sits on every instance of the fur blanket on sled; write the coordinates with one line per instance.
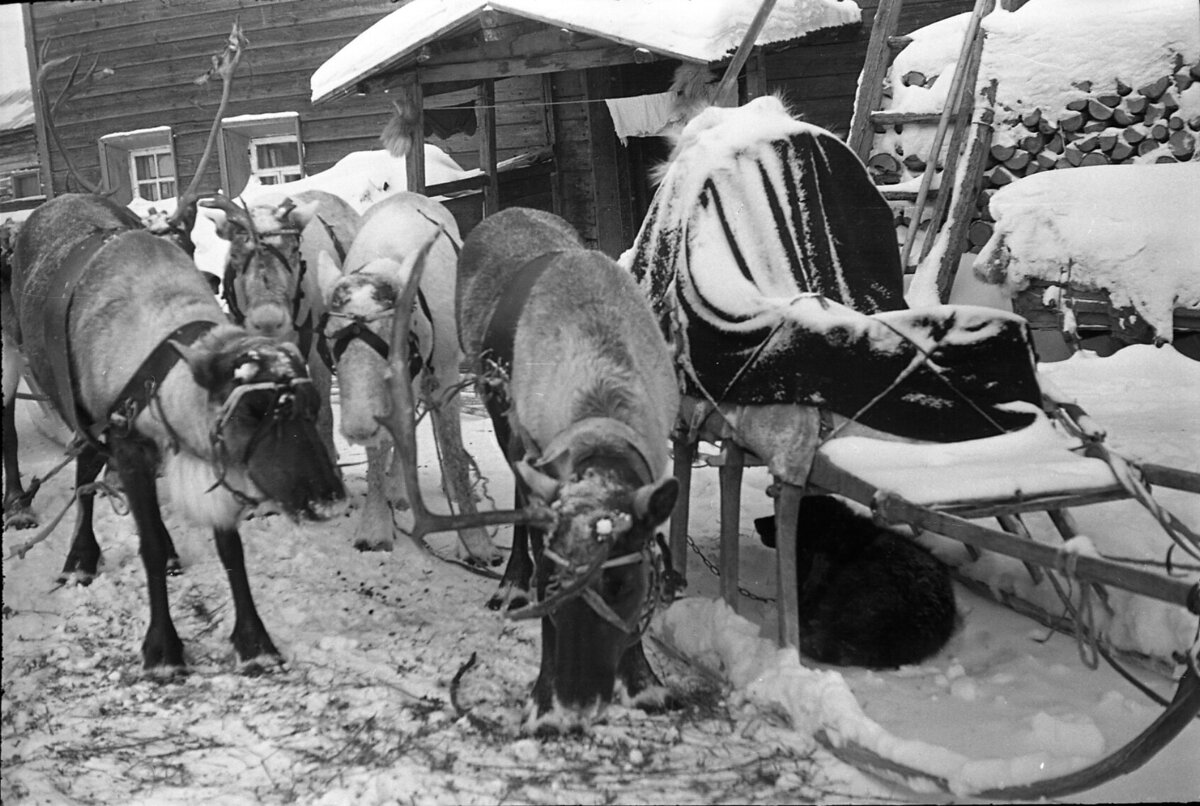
(770, 259)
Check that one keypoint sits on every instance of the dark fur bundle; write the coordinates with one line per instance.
(868, 596)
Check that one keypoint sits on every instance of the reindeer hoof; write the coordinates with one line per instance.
(509, 597)
(20, 519)
(368, 545)
(261, 665)
(76, 577)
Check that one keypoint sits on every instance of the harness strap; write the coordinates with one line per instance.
(143, 386)
(499, 339)
(337, 244)
(64, 389)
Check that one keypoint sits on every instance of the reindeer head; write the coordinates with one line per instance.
(601, 571)
(264, 273)
(262, 414)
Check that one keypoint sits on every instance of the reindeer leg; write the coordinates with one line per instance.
(637, 684)
(513, 593)
(83, 558)
(136, 461)
(456, 478)
(18, 514)
(249, 638)
(322, 380)
(374, 531)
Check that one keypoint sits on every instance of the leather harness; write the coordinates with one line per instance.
(499, 339)
(141, 388)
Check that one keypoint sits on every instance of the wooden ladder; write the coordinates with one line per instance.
(951, 210)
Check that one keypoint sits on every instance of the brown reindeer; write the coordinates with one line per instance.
(582, 394)
(175, 228)
(271, 284)
(361, 311)
(105, 313)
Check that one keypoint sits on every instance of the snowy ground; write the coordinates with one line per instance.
(361, 712)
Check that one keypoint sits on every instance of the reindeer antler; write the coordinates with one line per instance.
(402, 424)
(73, 86)
(223, 65)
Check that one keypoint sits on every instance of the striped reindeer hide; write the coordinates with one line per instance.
(770, 259)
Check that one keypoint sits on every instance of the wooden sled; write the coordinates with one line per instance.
(946, 490)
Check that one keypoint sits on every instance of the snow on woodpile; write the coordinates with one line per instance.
(1078, 84)
(1128, 229)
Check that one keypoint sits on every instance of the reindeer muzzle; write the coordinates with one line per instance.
(270, 428)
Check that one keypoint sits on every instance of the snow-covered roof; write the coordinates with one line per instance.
(692, 30)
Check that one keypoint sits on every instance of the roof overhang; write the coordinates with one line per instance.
(443, 40)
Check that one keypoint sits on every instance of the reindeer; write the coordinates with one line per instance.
(18, 512)
(175, 228)
(105, 312)
(361, 310)
(271, 284)
(581, 391)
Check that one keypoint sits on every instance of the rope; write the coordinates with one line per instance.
(119, 505)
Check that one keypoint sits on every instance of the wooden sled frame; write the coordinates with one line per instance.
(954, 520)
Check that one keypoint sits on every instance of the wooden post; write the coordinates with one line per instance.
(870, 88)
(679, 518)
(966, 53)
(730, 480)
(727, 89)
(787, 518)
(412, 97)
(485, 114)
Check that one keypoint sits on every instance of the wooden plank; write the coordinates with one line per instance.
(411, 100)
(1176, 591)
(682, 453)
(870, 90)
(485, 111)
(730, 483)
(611, 235)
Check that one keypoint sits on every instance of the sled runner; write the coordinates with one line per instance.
(770, 260)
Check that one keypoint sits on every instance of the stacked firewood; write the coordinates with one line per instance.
(1109, 125)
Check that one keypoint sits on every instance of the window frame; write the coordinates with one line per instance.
(278, 173)
(136, 181)
(116, 163)
(26, 173)
(238, 134)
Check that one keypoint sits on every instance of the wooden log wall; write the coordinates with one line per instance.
(820, 78)
(158, 48)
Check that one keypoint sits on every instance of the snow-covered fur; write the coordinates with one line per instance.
(377, 268)
(868, 596)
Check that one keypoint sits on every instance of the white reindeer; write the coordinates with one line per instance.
(361, 303)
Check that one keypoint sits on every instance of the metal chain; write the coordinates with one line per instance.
(717, 573)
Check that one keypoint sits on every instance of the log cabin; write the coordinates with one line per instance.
(143, 129)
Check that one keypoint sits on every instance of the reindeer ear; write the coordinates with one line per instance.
(542, 487)
(655, 502)
(328, 274)
(200, 362)
(302, 213)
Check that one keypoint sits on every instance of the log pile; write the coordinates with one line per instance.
(1106, 125)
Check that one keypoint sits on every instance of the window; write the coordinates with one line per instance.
(26, 185)
(139, 164)
(153, 173)
(267, 147)
(275, 160)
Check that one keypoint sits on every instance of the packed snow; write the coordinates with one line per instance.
(361, 712)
